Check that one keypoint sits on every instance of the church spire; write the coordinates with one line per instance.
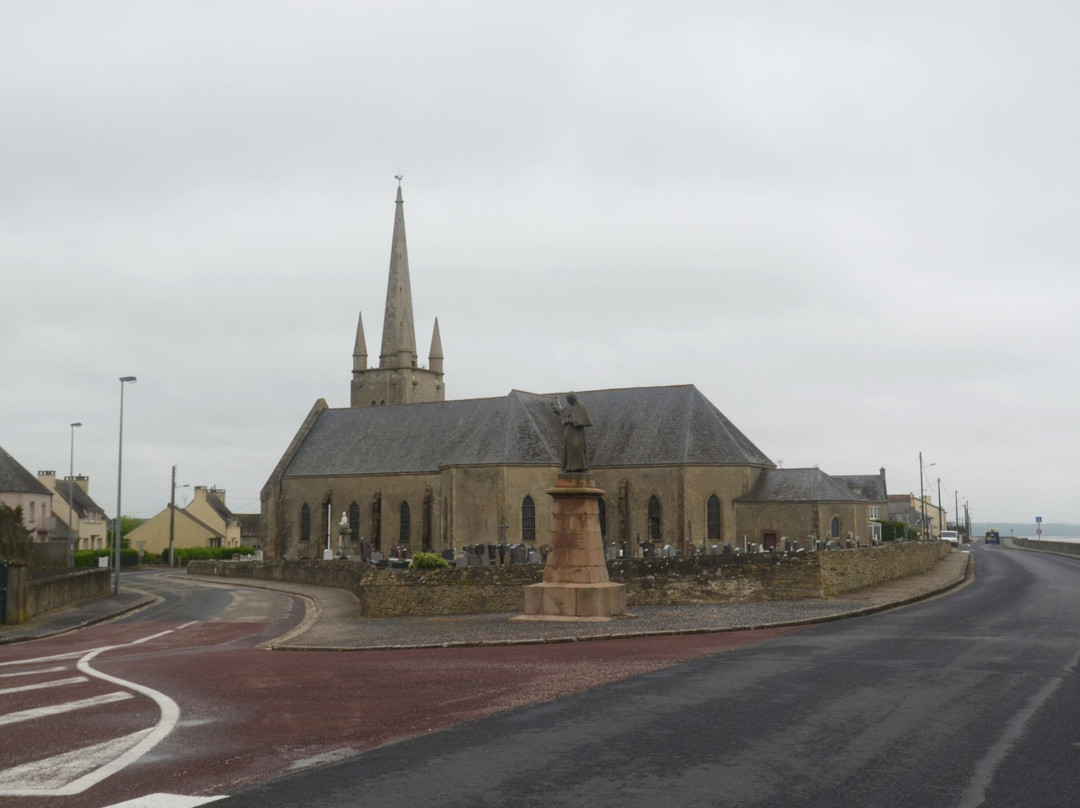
(398, 379)
(359, 354)
(399, 334)
(435, 356)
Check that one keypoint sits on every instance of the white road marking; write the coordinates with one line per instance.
(33, 672)
(57, 709)
(122, 751)
(166, 801)
(73, 680)
(54, 658)
(54, 772)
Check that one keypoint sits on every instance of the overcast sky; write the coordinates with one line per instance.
(852, 225)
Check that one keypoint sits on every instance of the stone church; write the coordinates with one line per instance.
(409, 469)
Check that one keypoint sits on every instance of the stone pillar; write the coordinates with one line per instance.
(575, 585)
(16, 610)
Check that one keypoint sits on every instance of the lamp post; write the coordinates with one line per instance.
(118, 532)
(72, 540)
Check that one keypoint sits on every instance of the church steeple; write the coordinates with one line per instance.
(399, 334)
(435, 356)
(359, 354)
(397, 379)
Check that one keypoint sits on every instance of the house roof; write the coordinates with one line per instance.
(81, 502)
(15, 479)
(868, 486)
(799, 485)
(636, 426)
(218, 506)
(213, 531)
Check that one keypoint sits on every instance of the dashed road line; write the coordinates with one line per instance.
(57, 709)
(73, 680)
(166, 801)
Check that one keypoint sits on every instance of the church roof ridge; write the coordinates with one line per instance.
(631, 427)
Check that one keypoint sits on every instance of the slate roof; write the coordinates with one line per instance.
(81, 502)
(15, 479)
(638, 426)
(217, 504)
(799, 485)
(870, 487)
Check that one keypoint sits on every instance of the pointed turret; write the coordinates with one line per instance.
(359, 354)
(435, 355)
(399, 334)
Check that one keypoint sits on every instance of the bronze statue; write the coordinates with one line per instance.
(574, 418)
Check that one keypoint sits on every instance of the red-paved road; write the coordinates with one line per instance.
(246, 714)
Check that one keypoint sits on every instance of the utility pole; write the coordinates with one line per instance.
(942, 517)
(172, 515)
(922, 502)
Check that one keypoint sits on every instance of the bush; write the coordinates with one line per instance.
(89, 558)
(427, 561)
(893, 531)
(185, 554)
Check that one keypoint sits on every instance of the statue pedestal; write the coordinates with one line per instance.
(576, 585)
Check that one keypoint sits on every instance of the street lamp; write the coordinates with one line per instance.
(118, 532)
(72, 540)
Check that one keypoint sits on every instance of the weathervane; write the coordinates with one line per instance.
(399, 178)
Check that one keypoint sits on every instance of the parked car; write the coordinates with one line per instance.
(951, 536)
(992, 537)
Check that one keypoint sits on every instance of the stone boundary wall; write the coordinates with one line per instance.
(28, 598)
(649, 582)
(1063, 547)
(718, 578)
(848, 570)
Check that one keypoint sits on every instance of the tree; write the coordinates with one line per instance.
(893, 531)
(14, 537)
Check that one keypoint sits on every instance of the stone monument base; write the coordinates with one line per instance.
(578, 602)
(576, 585)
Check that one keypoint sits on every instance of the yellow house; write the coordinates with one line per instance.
(205, 522)
(72, 501)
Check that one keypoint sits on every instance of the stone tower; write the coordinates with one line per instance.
(397, 379)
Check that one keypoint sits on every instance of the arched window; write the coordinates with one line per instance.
(305, 522)
(834, 529)
(712, 518)
(603, 517)
(354, 523)
(406, 528)
(528, 519)
(654, 519)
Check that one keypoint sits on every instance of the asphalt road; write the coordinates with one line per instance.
(966, 700)
(180, 703)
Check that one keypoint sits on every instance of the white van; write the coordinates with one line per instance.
(951, 536)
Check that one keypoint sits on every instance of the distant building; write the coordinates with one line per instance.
(21, 489)
(89, 525)
(205, 522)
(911, 510)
